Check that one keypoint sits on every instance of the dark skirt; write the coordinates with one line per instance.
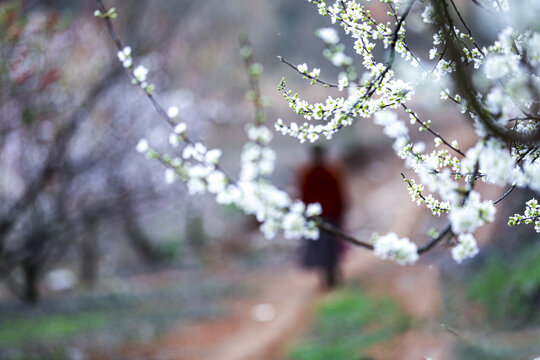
(321, 253)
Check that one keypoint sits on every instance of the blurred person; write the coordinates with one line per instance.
(321, 181)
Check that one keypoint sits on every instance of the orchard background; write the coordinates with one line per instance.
(104, 254)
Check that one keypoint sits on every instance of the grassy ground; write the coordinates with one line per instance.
(57, 328)
(509, 290)
(495, 306)
(349, 322)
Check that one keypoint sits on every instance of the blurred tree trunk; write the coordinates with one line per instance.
(89, 252)
(196, 236)
(137, 237)
(139, 240)
(31, 270)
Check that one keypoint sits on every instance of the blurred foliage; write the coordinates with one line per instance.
(171, 249)
(10, 21)
(497, 349)
(509, 288)
(348, 323)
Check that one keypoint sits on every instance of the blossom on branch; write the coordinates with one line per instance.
(390, 247)
(500, 99)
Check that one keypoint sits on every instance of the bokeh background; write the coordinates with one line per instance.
(100, 259)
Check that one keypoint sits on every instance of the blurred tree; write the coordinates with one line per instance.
(63, 169)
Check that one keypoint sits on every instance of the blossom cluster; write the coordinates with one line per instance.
(472, 214)
(252, 193)
(503, 108)
(391, 247)
(466, 248)
(199, 167)
(530, 216)
(139, 74)
(507, 94)
(437, 207)
(377, 90)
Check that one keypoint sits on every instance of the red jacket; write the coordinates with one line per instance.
(323, 184)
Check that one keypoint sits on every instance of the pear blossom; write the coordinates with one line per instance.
(180, 129)
(173, 112)
(140, 73)
(313, 209)
(471, 215)
(216, 182)
(142, 146)
(506, 93)
(466, 248)
(302, 68)
(170, 176)
(389, 246)
(125, 58)
(174, 140)
(328, 35)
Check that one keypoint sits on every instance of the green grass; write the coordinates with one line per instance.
(509, 291)
(22, 330)
(347, 324)
(97, 321)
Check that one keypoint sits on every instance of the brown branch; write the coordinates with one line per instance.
(327, 84)
(465, 85)
(331, 229)
(466, 26)
(447, 232)
(253, 82)
(157, 106)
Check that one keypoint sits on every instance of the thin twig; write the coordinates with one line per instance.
(466, 26)
(450, 330)
(327, 84)
(505, 195)
(447, 232)
(426, 127)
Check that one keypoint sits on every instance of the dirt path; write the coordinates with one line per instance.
(292, 294)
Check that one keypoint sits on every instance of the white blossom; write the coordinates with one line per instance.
(343, 82)
(259, 134)
(500, 5)
(498, 66)
(180, 128)
(293, 225)
(196, 186)
(471, 215)
(174, 140)
(496, 162)
(508, 90)
(466, 248)
(142, 146)
(216, 182)
(427, 15)
(231, 194)
(170, 176)
(140, 73)
(213, 156)
(125, 58)
(393, 127)
(328, 35)
(173, 112)
(401, 251)
(313, 209)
